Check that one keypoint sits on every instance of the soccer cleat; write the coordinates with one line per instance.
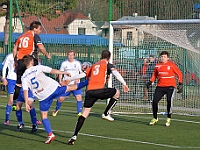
(20, 127)
(34, 128)
(72, 140)
(153, 121)
(38, 122)
(168, 122)
(108, 117)
(7, 122)
(79, 114)
(55, 113)
(50, 138)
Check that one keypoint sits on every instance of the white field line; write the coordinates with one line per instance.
(121, 139)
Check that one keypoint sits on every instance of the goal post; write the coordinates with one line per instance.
(140, 39)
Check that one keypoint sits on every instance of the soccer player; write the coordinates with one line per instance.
(10, 82)
(19, 104)
(73, 67)
(44, 88)
(97, 90)
(149, 71)
(166, 73)
(27, 44)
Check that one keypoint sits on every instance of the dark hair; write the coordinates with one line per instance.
(35, 24)
(27, 59)
(105, 54)
(151, 56)
(164, 53)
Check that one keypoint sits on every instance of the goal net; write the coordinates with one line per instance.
(141, 43)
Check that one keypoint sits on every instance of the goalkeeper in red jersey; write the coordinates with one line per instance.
(166, 73)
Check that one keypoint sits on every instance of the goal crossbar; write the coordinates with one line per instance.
(180, 21)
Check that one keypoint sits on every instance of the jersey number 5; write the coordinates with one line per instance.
(24, 42)
(35, 83)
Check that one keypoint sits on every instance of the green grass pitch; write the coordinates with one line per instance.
(127, 132)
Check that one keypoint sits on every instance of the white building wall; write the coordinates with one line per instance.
(90, 28)
(17, 27)
(137, 36)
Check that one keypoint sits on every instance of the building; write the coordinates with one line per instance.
(66, 23)
(130, 35)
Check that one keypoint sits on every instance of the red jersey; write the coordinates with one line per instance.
(165, 72)
(27, 44)
(97, 75)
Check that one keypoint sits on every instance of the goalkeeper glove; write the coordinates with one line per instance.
(149, 84)
(180, 88)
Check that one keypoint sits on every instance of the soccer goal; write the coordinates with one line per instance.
(140, 41)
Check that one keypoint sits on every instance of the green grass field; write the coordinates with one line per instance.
(127, 132)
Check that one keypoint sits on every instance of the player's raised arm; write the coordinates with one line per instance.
(120, 79)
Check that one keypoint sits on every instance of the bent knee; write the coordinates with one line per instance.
(117, 94)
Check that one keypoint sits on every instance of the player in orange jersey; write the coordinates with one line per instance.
(96, 90)
(166, 73)
(27, 44)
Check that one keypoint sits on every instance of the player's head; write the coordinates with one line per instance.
(70, 55)
(151, 58)
(164, 55)
(28, 60)
(105, 54)
(36, 26)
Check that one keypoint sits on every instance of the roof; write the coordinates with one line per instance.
(67, 39)
(101, 24)
(135, 18)
(56, 25)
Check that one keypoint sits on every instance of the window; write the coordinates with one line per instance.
(129, 35)
(81, 31)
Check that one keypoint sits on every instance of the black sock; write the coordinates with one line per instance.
(169, 115)
(79, 125)
(110, 105)
(16, 93)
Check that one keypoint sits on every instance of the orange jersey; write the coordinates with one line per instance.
(27, 44)
(165, 72)
(97, 75)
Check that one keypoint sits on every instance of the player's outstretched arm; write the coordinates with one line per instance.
(125, 88)
(78, 76)
(55, 71)
(43, 50)
(120, 79)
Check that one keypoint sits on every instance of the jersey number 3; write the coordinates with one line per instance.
(24, 42)
(96, 71)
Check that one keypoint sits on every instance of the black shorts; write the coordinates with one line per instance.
(21, 69)
(92, 96)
